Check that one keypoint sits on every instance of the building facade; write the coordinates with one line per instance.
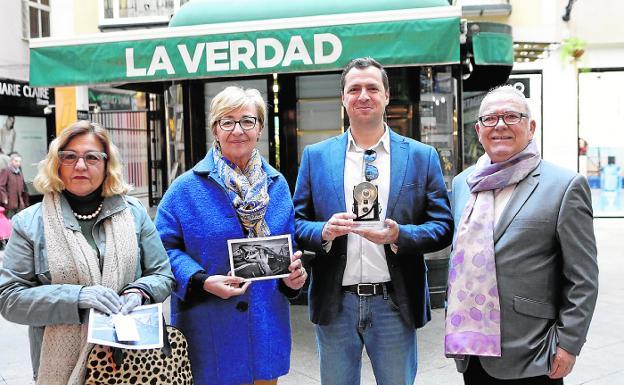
(24, 125)
(573, 52)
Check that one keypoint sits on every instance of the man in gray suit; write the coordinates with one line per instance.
(523, 277)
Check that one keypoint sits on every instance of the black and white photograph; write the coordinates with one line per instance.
(260, 258)
(149, 324)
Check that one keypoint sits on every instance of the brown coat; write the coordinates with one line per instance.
(13, 194)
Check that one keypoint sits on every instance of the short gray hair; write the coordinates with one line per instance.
(510, 90)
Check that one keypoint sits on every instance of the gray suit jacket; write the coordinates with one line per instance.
(546, 269)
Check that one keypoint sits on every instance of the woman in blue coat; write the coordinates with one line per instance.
(238, 332)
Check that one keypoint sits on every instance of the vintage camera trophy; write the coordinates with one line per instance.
(366, 205)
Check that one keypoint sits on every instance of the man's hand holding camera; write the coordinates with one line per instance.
(338, 225)
(365, 204)
(386, 236)
(342, 223)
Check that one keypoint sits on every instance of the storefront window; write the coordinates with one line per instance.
(29, 140)
(471, 148)
(437, 117)
(601, 139)
(174, 115)
(24, 127)
(128, 130)
(319, 109)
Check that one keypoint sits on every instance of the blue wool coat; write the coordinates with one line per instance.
(243, 338)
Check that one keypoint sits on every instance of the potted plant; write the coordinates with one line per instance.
(572, 49)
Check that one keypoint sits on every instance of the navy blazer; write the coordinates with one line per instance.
(418, 202)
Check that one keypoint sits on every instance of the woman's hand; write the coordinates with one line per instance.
(225, 286)
(130, 300)
(99, 298)
(297, 277)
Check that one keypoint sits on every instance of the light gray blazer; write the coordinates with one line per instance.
(546, 269)
(27, 295)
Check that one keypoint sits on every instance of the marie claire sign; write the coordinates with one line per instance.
(21, 98)
(23, 90)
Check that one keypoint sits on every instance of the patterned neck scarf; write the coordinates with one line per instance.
(247, 189)
(473, 313)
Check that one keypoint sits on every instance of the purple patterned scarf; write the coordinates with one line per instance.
(473, 312)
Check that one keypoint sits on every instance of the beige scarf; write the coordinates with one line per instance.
(72, 260)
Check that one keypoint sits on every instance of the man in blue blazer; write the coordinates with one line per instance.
(368, 285)
(523, 276)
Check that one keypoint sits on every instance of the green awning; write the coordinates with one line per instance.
(199, 12)
(396, 37)
(492, 43)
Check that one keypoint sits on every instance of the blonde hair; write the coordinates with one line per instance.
(48, 179)
(234, 98)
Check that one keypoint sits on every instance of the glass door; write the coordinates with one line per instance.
(601, 139)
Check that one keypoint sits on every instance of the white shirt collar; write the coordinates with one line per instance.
(384, 142)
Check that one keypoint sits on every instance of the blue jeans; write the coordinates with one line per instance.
(373, 322)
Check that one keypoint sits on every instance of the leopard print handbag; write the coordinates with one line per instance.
(168, 365)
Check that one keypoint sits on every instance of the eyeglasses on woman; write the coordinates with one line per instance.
(246, 123)
(92, 158)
